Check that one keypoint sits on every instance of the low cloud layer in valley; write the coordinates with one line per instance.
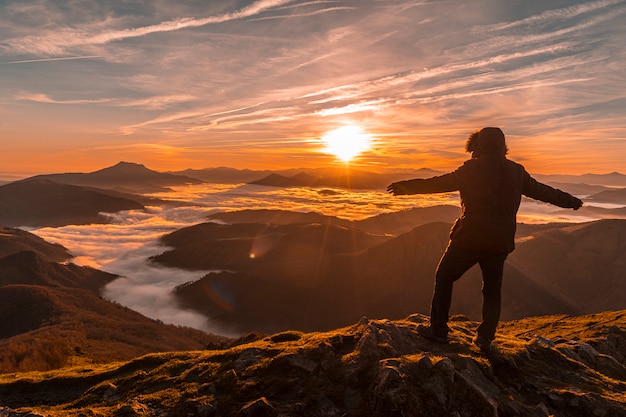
(124, 246)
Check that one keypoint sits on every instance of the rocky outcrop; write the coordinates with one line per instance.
(549, 366)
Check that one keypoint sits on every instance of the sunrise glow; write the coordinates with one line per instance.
(347, 142)
(257, 84)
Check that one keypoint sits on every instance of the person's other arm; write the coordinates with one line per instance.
(539, 191)
(440, 184)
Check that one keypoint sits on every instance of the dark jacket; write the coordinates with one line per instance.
(491, 187)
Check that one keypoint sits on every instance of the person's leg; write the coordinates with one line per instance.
(453, 264)
(492, 268)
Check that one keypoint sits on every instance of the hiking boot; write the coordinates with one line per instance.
(482, 343)
(427, 332)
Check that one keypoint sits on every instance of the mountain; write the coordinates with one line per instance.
(611, 196)
(45, 328)
(579, 189)
(30, 268)
(277, 180)
(320, 276)
(40, 202)
(386, 224)
(51, 314)
(340, 178)
(403, 221)
(277, 217)
(598, 212)
(250, 246)
(583, 263)
(17, 240)
(546, 366)
(124, 176)
(300, 177)
(614, 179)
(224, 175)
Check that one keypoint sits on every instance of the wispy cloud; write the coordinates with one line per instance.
(43, 98)
(69, 58)
(271, 73)
(555, 16)
(59, 41)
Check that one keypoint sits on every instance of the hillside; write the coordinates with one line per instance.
(239, 246)
(30, 268)
(611, 196)
(386, 224)
(279, 277)
(39, 202)
(16, 240)
(556, 366)
(51, 314)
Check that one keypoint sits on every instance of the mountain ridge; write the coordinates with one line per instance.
(557, 366)
(123, 176)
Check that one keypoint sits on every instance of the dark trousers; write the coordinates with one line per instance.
(453, 264)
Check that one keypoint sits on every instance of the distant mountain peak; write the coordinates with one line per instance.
(129, 167)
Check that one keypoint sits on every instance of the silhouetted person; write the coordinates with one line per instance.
(491, 187)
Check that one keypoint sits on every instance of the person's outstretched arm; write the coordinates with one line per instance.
(539, 191)
(441, 184)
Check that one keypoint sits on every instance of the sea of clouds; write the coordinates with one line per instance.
(124, 245)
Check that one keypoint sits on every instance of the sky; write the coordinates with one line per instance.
(258, 84)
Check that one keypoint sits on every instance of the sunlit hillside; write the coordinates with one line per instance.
(546, 366)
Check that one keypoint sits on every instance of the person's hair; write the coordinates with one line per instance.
(472, 139)
(486, 140)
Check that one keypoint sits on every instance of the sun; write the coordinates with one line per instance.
(347, 142)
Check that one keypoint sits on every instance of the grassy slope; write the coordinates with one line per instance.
(556, 365)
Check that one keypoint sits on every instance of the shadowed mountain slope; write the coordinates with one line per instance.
(30, 268)
(386, 224)
(392, 280)
(41, 202)
(51, 314)
(548, 366)
(277, 217)
(308, 283)
(239, 246)
(614, 179)
(16, 240)
(611, 196)
(584, 263)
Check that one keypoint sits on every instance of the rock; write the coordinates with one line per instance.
(207, 410)
(8, 412)
(258, 408)
(110, 394)
(446, 367)
(301, 362)
(135, 408)
(542, 341)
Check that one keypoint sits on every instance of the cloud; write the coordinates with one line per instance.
(551, 17)
(69, 58)
(43, 98)
(58, 42)
(252, 78)
(124, 246)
